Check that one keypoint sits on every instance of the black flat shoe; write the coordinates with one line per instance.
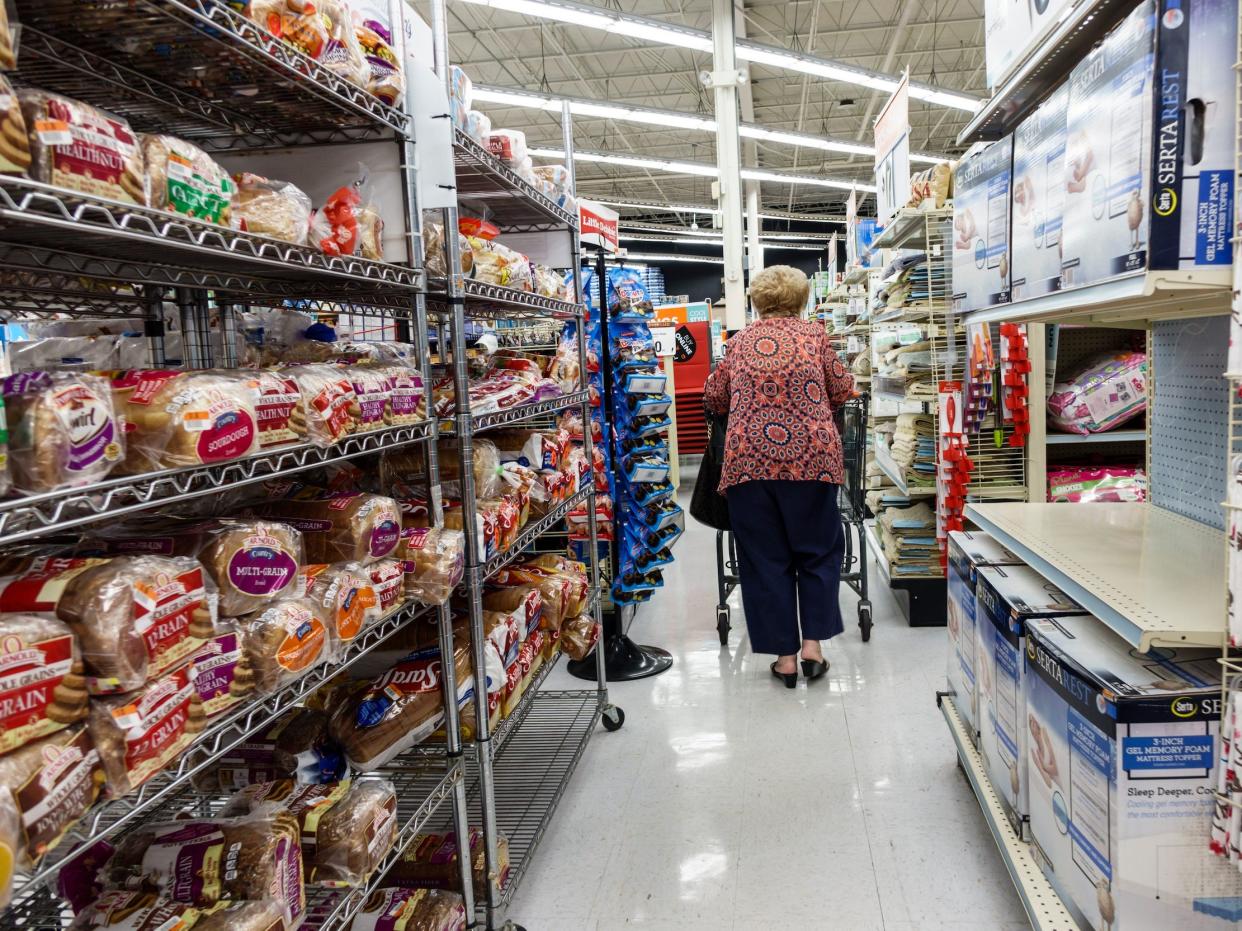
(791, 678)
(814, 668)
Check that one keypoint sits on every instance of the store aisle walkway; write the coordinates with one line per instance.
(727, 801)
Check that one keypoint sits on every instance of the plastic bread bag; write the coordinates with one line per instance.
(431, 862)
(523, 600)
(347, 597)
(461, 88)
(203, 861)
(337, 526)
(63, 430)
(494, 667)
(253, 563)
(277, 402)
(495, 263)
(1105, 391)
(76, 146)
(546, 282)
(295, 22)
(373, 28)
(182, 178)
(342, 54)
(285, 641)
(140, 733)
(435, 563)
(45, 685)
(406, 399)
(346, 827)
(421, 909)
(388, 579)
(557, 175)
(349, 224)
(478, 126)
(267, 915)
(221, 672)
(176, 418)
(327, 402)
(295, 745)
(486, 468)
(8, 58)
(14, 142)
(372, 397)
(136, 617)
(275, 209)
(274, 336)
(139, 910)
(380, 719)
(433, 251)
(508, 145)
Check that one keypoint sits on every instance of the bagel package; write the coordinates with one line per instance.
(421, 909)
(345, 593)
(136, 617)
(138, 734)
(327, 402)
(177, 418)
(337, 526)
(253, 562)
(221, 671)
(76, 146)
(275, 209)
(377, 720)
(184, 179)
(346, 827)
(64, 430)
(14, 143)
(435, 563)
(42, 685)
(285, 641)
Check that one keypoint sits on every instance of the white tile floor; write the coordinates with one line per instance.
(727, 801)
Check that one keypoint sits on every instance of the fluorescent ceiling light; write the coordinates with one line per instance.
(707, 209)
(709, 259)
(687, 231)
(755, 174)
(770, 244)
(513, 99)
(655, 31)
(611, 111)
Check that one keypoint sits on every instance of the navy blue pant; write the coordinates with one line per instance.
(790, 545)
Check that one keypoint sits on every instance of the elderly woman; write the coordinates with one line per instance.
(779, 382)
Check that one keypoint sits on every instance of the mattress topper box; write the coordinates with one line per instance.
(1039, 198)
(1012, 595)
(972, 548)
(981, 195)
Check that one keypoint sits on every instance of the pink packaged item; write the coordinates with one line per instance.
(1081, 485)
(1106, 391)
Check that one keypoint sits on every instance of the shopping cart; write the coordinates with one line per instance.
(851, 419)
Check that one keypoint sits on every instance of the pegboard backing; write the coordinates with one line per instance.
(1077, 344)
(1189, 417)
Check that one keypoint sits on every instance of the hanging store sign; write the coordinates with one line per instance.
(598, 225)
(892, 153)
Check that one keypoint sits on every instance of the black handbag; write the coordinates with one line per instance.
(707, 505)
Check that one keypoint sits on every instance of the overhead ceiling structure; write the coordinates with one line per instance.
(860, 45)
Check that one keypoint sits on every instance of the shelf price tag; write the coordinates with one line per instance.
(665, 339)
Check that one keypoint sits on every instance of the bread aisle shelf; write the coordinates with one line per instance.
(1154, 577)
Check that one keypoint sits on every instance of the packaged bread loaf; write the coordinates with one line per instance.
(208, 860)
(277, 402)
(136, 617)
(42, 685)
(177, 418)
(142, 910)
(347, 597)
(347, 827)
(34, 585)
(138, 734)
(327, 402)
(433, 251)
(398, 710)
(182, 178)
(556, 591)
(253, 562)
(48, 785)
(285, 641)
(524, 601)
(73, 145)
(578, 636)
(348, 224)
(435, 563)
(338, 526)
(64, 430)
(8, 60)
(14, 143)
(392, 909)
(221, 671)
(295, 746)
(267, 915)
(373, 27)
(372, 397)
(405, 399)
(430, 862)
(342, 54)
(388, 580)
(275, 209)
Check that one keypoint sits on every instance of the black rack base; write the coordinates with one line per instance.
(624, 661)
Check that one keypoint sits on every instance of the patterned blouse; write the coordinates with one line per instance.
(780, 381)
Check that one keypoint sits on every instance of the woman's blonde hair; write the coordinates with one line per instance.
(779, 291)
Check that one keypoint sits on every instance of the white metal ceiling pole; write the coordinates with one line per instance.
(754, 247)
(724, 79)
(746, 101)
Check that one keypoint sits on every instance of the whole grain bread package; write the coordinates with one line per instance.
(275, 209)
(73, 145)
(14, 142)
(253, 562)
(327, 402)
(49, 784)
(373, 397)
(406, 399)
(421, 909)
(204, 861)
(430, 862)
(182, 178)
(138, 734)
(178, 418)
(33, 585)
(435, 563)
(285, 641)
(267, 915)
(278, 404)
(347, 827)
(345, 593)
(64, 430)
(221, 670)
(144, 910)
(136, 617)
(44, 688)
(295, 746)
(337, 526)
(379, 719)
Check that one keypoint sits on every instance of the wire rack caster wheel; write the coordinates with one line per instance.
(614, 718)
(864, 620)
(722, 624)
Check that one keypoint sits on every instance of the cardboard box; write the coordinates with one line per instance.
(1123, 747)
(1006, 599)
(1039, 198)
(1149, 155)
(968, 550)
(1011, 29)
(981, 199)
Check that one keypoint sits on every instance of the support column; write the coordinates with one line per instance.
(724, 79)
(754, 248)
